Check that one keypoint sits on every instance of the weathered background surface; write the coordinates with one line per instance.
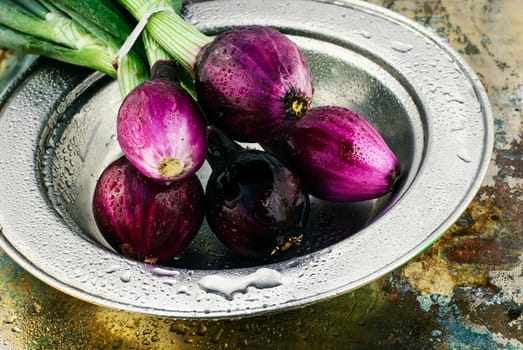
(465, 292)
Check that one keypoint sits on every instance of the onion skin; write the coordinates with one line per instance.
(251, 81)
(339, 154)
(254, 204)
(145, 220)
(160, 128)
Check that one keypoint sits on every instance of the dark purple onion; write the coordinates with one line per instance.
(251, 81)
(254, 204)
(145, 220)
(339, 154)
(160, 128)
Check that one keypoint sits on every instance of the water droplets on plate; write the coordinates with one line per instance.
(57, 129)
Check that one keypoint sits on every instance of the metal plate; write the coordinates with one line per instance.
(57, 132)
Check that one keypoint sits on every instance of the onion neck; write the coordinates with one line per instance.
(178, 37)
(219, 145)
(131, 72)
(164, 69)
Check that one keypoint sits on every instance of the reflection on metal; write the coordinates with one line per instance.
(460, 293)
(58, 133)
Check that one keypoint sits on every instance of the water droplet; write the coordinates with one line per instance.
(401, 47)
(83, 279)
(457, 129)
(363, 33)
(183, 290)
(112, 268)
(126, 276)
(464, 156)
(293, 264)
(227, 286)
(163, 272)
(170, 282)
(78, 273)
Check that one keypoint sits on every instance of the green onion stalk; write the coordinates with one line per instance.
(154, 50)
(51, 28)
(178, 37)
(101, 18)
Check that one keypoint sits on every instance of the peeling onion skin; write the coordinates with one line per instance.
(339, 154)
(251, 81)
(145, 220)
(254, 204)
(161, 129)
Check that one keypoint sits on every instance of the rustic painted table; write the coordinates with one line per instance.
(464, 292)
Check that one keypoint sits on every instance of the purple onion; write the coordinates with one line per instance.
(145, 220)
(160, 128)
(254, 204)
(251, 81)
(339, 154)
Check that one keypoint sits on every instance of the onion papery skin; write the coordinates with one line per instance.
(145, 220)
(339, 154)
(254, 204)
(251, 81)
(161, 131)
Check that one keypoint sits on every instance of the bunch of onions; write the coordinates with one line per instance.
(149, 204)
(251, 82)
(255, 84)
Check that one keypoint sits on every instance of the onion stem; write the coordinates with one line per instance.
(90, 33)
(153, 50)
(51, 28)
(100, 17)
(34, 7)
(87, 57)
(179, 38)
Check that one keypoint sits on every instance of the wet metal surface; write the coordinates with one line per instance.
(57, 128)
(464, 292)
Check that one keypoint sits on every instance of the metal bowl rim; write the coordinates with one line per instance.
(474, 185)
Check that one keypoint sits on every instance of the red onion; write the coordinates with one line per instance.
(160, 128)
(145, 220)
(339, 154)
(254, 204)
(251, 81)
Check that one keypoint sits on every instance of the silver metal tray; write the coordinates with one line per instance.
(57, 133)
